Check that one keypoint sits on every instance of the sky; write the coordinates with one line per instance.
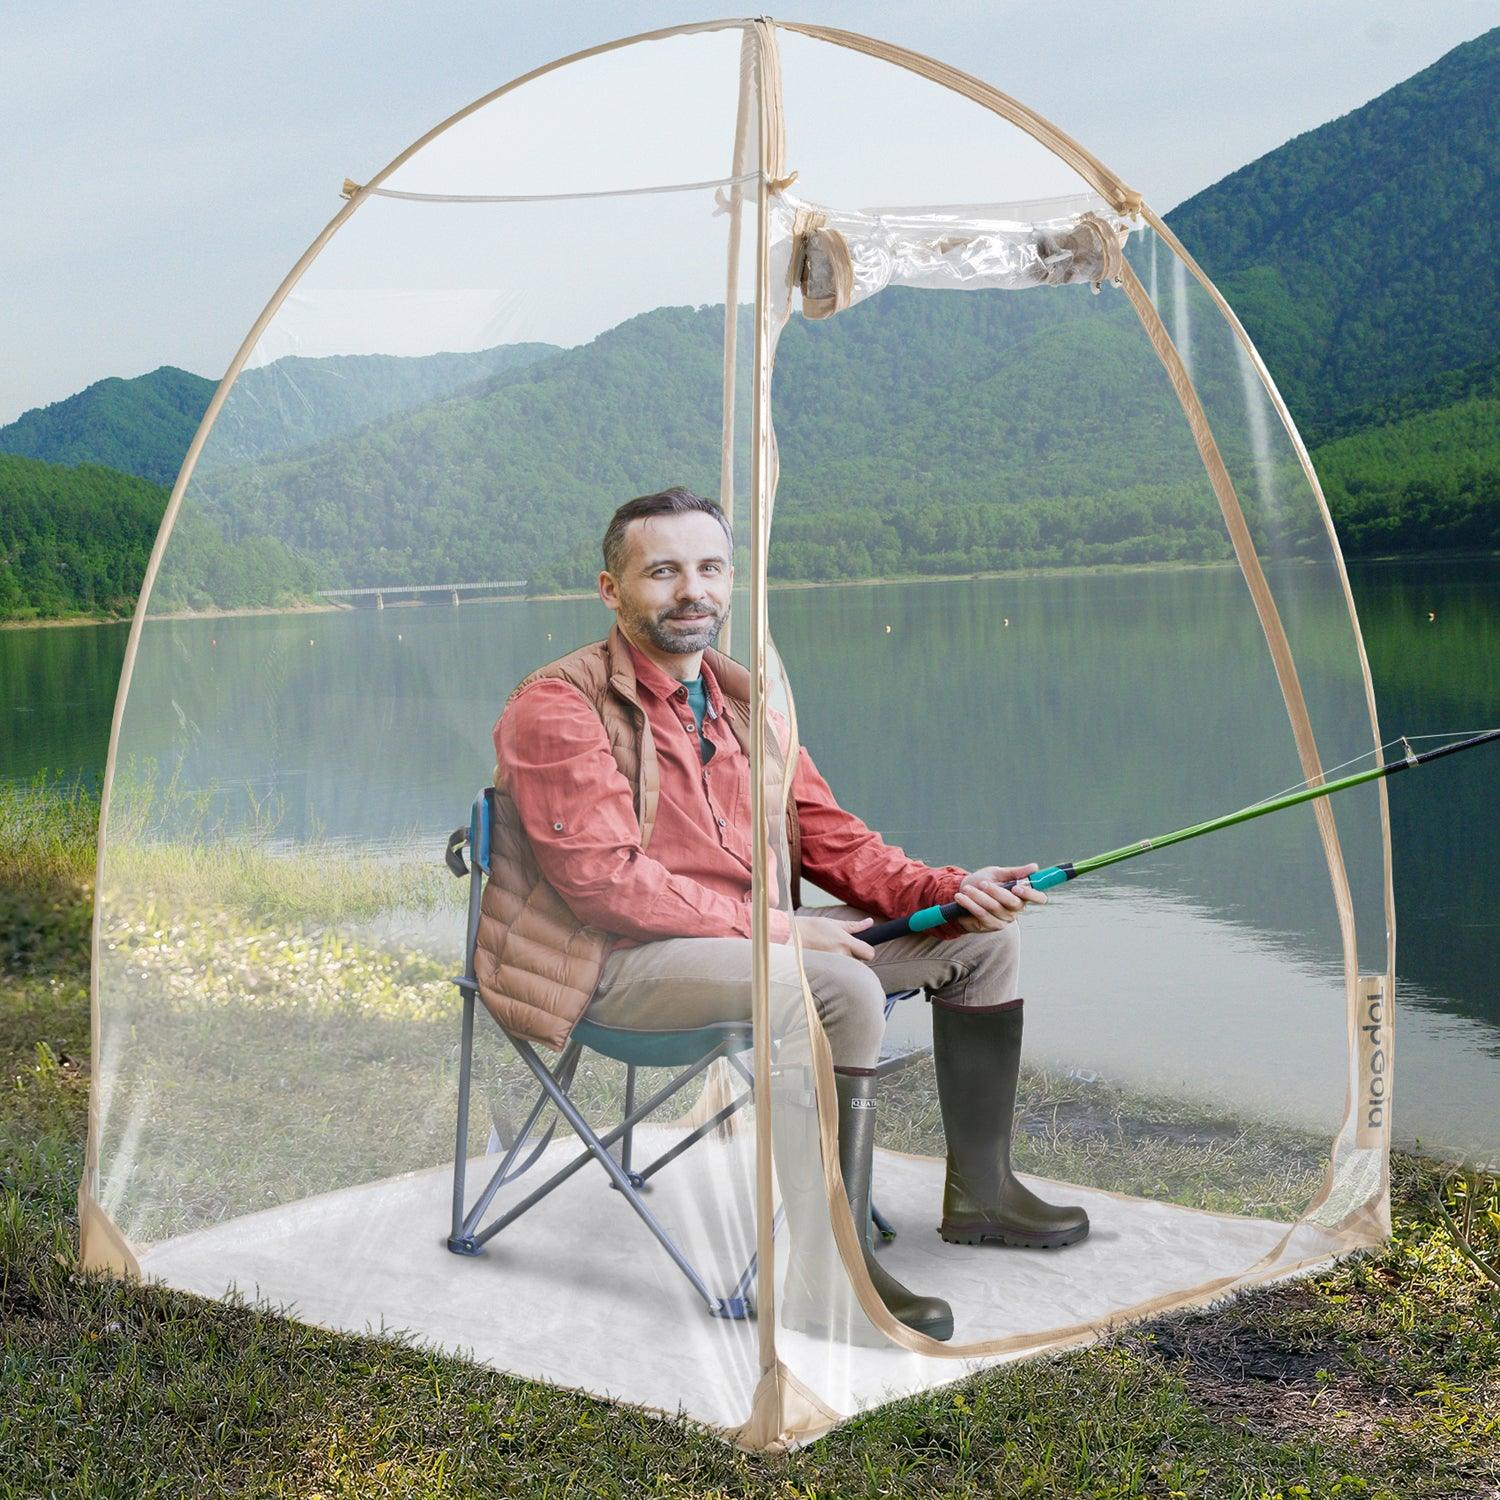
(168, 161)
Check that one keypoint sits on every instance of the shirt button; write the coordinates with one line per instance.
(688, 727)
(557, 828)
(720, 822)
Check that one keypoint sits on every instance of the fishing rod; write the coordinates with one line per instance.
(1042, 880)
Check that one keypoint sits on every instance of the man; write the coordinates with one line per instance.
(623, 886)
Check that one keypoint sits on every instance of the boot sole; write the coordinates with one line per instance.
(1018, 1239)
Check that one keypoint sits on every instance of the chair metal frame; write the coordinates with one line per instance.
(692, 1051)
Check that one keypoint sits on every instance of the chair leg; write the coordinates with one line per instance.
(628, 1138)
(469, 1240)
(459, 1240)
(599, 1149)
(507, 1171)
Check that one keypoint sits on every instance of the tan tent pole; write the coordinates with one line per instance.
(89, 1210)
(718, 1084)
(768, 91)
(1124, 199)
(1305, 459)
(1356, 991)
(738, 166)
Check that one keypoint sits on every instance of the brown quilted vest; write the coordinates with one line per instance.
(536, 964)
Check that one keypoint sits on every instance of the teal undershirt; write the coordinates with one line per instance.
(697, 696)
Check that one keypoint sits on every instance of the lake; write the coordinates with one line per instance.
(1002, 719)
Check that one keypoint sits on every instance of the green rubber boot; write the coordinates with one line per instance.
(976, 1051)
(818, 1299)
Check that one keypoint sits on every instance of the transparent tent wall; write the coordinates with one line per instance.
(1049, 717)
(1188, 1027)
(395, 518)
(453, 399)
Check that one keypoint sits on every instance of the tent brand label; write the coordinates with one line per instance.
(1375, 1038)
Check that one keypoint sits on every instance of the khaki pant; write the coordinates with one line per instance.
(679, 983)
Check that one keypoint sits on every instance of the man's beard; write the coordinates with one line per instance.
(679, 640)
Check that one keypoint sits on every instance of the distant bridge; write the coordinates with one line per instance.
(418, 593)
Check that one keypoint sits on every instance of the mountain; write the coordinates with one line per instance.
(917, 433)
(1362, 256)
(143, 426)
(297, 402)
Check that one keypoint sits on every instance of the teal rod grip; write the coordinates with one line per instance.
(934, 916)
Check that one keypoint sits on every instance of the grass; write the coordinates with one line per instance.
(273, 1061)
(1379, 1378)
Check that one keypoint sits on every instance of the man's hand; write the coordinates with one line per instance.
(830, 935)
(989, 905)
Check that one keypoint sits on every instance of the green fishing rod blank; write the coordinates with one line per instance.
(1054, 875)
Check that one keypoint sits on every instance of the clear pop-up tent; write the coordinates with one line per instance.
(901, 328)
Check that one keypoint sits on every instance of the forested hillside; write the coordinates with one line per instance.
(72, 541)
(1363, 257)
(296, 402)
(140, 427)
(76, 541)
(143, 426)
(1428, 482)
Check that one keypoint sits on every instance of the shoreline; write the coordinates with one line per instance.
(72, 621)
(1074, 570)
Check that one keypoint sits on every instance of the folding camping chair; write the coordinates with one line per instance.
(690, 1051)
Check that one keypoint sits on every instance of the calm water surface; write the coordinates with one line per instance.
(1005, 719)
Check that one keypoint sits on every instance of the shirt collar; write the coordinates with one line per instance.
(661, 685)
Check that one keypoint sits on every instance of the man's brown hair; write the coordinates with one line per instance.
(676, 501)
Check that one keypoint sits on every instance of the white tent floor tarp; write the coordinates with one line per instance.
(580, 1267)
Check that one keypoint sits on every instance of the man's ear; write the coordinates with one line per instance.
(607, 590)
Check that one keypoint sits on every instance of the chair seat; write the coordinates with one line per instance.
(663, 1049)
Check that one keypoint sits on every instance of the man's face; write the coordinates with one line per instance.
(673, 588)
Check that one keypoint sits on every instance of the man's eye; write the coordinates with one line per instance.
(710, 567)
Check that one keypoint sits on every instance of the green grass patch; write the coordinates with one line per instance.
(47, 832)
(180, 849)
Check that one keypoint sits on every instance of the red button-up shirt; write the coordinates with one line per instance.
(578, 812)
